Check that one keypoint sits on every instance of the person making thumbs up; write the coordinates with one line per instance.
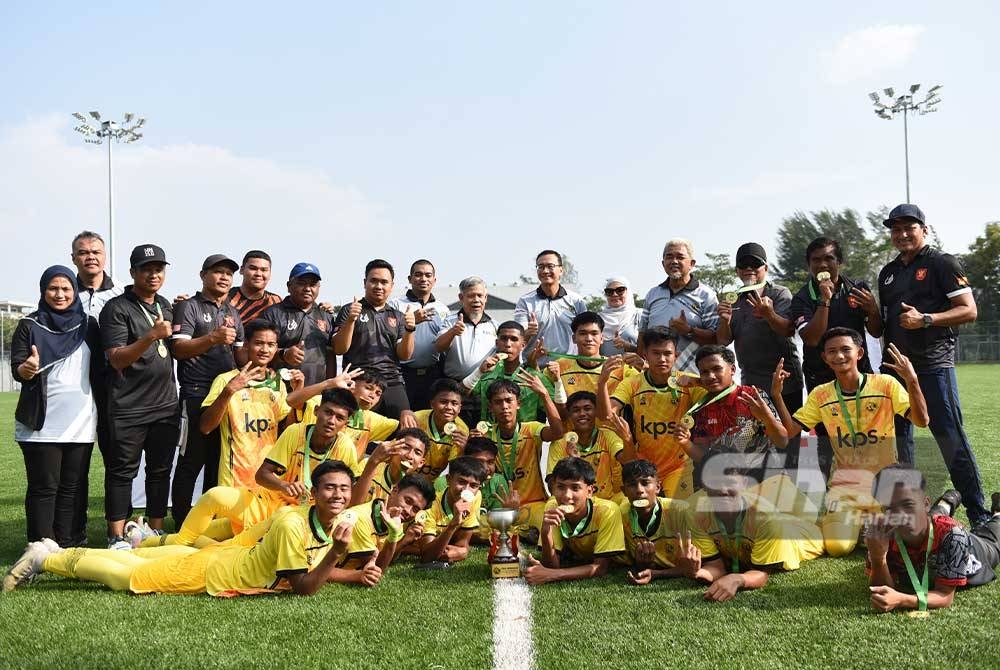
(371, 334)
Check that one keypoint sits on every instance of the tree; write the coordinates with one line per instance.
(595, 303)
(718, 273)
(982, 265)
(570, 275)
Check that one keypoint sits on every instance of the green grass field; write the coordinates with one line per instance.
(815, 617)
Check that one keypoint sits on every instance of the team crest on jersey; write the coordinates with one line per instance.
(571, 380)
(292, 325)
(207, 318)
(834, 411)
(888, 280)
(642, 400)
(921, 274)
(871, 406)
(321, 325)
(391, 320)
(363, 318)
(246, 396)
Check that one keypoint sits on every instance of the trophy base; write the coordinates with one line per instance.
(505, 570)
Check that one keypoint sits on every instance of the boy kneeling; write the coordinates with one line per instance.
(580, 534)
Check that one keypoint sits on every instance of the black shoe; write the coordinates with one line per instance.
(995, 503)
(947, 503)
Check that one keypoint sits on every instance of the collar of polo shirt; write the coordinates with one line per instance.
(561, 293)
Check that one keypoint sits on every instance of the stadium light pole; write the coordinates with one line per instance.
(905, 105)
(106, 131)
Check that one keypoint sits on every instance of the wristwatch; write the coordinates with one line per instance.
(928, 320)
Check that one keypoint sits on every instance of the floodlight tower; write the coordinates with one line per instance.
(905, 105)
(127, 132)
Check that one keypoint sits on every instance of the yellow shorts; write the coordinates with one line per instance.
(678, 483)
(184, 574)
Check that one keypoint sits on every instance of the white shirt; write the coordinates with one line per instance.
(70, 413)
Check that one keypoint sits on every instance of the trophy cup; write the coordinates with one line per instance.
(503, 559)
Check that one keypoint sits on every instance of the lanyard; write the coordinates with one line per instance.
(270, 382)
(306, 478)
(705, 402)
(377, 519)
(736, 537)
(651, 525)
(815, 296)
(314, 521)
(580, 526)
(161, 348)
(676, 393)
(843, 405)
(920, 588)
(578, 357)
(435, 435)
(357, 420)
(507, 464)
(591, 447)
(751, 287)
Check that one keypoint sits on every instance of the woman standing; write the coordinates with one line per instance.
(621, 318)
(54, 352)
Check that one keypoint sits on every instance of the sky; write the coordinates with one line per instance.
(477, 134)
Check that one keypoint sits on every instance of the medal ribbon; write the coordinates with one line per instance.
(507, 464)
(651, 525)
(591, 447)
(435, 435)
(377, 520)
(920, 588)
(843, 405)
(270, 382)
(161, 348)
(357, 420)
(564, 527)
(737, 536)
(578, 357)
(676, 393)
(306, 477)
(314, 521)
(705, 402)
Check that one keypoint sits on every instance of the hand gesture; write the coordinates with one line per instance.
(539, 351)
(725, 311)
(345, 380)
(910, 318)
(297, 379)
(461, 511)
(552, 518)
(458, 440)
(620, 427)
(679, 324)
(611, 364)
(555, 372)
(489, 363)
(620, 343)
(723, 589)
(294, 355)
(640, 577)
(160, 330)
(295, 490)
(535, 573)
(885, 598)
(248, 373)
(687, 556)
(900, 364)
(409, 319)
(386, 450)
(532, 328)
(865, 300)
(763, 306)
(778, 378)
(407, 419)
(636, 361)
(756, 404)
(512, 500)
(459, 327)
(342, 536)
(354, 310)
(878, 534)
(413, 533)
(826, 289)
(645, 554)
(29, 368)
(682, 435)
(223, 335)
(371, 573)
(533, 382)
(420, 315)
(393, 517)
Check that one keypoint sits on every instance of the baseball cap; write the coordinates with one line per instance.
(304, 269)
(219, 259)
(751, 250)
(904, 211)
(147, 253)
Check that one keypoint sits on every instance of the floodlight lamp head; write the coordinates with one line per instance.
(914, 88)
(96, 116)
(128, 117)
(889, 92)
(79, 116)
(873, 96)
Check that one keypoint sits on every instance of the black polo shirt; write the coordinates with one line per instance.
(373, 345)
(927, 284)
(145, 391)
(844, 312)
(197, 317)
(314, 327)
(758, 347)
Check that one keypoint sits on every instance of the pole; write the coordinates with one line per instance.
(906, 148)
(111, 213)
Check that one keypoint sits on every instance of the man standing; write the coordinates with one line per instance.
(925, 296)
(142, 401)
(251, 297)
(422, 369)
(304, 327)
(371, 334)
(547, 312)
(682, 304)
(205, 331)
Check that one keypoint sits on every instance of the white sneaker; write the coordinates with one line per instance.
(51, 545)
(119, 543)
(26, 567)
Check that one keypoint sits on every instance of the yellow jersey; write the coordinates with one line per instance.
(442, 449)
(668, 518)
(289, 456)
(440, 514)
(364, 427)
(598, 535)
(519, 459)
(248, 429)
(382, 482)
(602, 453)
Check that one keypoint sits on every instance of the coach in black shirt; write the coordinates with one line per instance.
(304, 328)
(925, 296)
(142, 401)
(206, 329)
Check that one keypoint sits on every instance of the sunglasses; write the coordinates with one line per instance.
(620, 290)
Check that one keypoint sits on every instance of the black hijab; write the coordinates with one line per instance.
(57, 333)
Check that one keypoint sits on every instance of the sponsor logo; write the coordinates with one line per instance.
(292, 325)
(921, 274)
(207, 318)
(363, 318)
(857, 439)
(656, 428)
(888, 280)
(257, 426)
(148, 252)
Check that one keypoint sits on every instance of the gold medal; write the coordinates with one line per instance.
(482, 427)
(450, 428)
(730, 296)
(347, 516)
(640, 503)
(567, 509)
(823, 276)
(572, 438)
(467, 495)
(918, 614)
(406, 465)
(687, 421)
(420, 517)
(285, 374)
(161, 348)
(674, 381)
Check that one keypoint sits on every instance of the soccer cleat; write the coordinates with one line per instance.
(51, 545)
(26, 567)
(947, 503)
(119, 543)
(995, 502)
(136, 531)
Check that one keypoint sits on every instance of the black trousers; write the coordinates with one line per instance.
(200, 451)
(57, 473)
(418, 385)
(394, 401)
(159, 440)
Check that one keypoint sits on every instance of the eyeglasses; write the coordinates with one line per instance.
(618, 290)
(547, 266)
(749, 265)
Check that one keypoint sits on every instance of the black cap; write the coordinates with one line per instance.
(904, 211)
(219, 259)
(751, 250)
(147, 253)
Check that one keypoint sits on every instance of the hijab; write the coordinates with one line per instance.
(57, 333)
(619, 318)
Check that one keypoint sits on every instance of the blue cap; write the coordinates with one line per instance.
(304, 269)
(906, 211)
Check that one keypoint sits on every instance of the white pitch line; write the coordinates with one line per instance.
(513, 648)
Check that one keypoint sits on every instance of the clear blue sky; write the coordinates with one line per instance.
(478, 133)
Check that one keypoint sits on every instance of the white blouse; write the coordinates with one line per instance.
(70, 413)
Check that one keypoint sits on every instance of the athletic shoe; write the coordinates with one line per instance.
(119, 543)
(26, 567)
(51, 545)
(947, 503)
(136, 531)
